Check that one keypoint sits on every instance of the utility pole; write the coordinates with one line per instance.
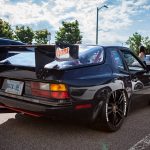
(97, 10)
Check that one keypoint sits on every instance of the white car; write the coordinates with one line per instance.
(147, 59)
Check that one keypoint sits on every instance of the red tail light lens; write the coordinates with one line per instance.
(56, 91)
(60, 95)
(41, 93)
(83, 106)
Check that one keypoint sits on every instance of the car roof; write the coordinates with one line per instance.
(92, 46)
(118, 47)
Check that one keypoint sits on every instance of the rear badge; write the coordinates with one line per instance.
(62, 53)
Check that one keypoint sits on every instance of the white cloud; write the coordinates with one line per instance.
(147, 7)
(106, 39)
(143, 32)
(115, 18)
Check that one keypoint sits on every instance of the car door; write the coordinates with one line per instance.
(120, 69)
(140, 75)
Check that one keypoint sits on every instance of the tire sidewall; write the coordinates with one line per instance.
(104, 114)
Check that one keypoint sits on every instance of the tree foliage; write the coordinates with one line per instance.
(5, 29)
(136, 40)
(69, 33)
(24, 34)
(146, 43)
(41, 36)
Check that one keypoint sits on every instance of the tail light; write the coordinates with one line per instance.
(56, 91)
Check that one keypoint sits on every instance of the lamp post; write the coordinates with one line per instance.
(98, 8)
(49, 37)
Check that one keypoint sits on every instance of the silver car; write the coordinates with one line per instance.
(147, 59)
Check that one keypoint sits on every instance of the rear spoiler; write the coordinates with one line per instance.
(44, 54)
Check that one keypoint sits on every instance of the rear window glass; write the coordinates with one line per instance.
(86, 56)
(95, 55)
(90, 56)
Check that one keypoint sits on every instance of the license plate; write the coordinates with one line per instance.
(14, 87)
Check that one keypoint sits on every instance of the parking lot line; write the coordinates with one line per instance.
(142, 144)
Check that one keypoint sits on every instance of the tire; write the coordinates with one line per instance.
(113, 112)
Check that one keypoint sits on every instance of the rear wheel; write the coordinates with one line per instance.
(113, 111)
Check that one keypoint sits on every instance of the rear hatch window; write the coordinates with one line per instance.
(87, 55)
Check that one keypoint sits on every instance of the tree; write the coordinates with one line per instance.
(24, 34)
(146, 43)
(69, 33)
(5, 29)
(134, 42)
(41, 36)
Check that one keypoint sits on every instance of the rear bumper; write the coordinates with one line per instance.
(39, 110)
(4, 109)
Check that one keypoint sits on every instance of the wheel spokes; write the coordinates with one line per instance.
(114, 121)
(109, 112)
(114, 96)
(120, 113)
(115, 109)
(120, 100)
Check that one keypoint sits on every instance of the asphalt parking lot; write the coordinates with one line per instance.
(18, 132)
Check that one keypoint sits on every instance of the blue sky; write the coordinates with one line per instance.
(116, 23)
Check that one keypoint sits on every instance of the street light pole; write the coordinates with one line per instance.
(98, 8)
(49, 37)
(97, 25)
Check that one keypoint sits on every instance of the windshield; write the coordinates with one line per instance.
(86, 56)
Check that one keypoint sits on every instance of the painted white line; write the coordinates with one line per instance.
(5, 116)
(142, 144)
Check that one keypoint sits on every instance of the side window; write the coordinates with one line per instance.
(132, 62)
(117, 59)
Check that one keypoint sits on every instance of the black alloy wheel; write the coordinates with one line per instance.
(113, 112)
(116, 108)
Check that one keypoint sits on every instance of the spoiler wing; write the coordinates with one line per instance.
(44, 54)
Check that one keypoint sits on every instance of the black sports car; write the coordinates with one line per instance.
(95, 83)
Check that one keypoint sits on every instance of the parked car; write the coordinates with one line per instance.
(147, 59)
(5, 41)
(95, 83)
(4, 53)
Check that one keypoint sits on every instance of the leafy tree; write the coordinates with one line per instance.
(134, 42)
(5, 29)
(41, 36)
(69, 33)
(24, 34)
(146, 43)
